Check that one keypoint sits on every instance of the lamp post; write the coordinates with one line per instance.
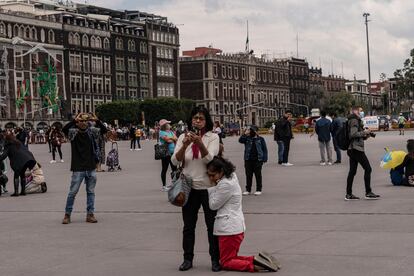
(369, 63)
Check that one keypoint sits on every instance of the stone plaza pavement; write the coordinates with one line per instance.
(301, 217)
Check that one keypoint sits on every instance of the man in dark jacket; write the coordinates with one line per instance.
(283, 135)
(255, 154)
(356, 153)
(323, 130)
(336, 124)
(85, 155)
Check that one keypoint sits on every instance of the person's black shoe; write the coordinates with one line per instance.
(337, 162)
(215, 266)
(280, 162)
(14, 194)
(371, 196)
(186, 265)
(351, 197)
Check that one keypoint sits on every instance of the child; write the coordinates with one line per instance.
(226, 197)
(35, 180)
(408, 165)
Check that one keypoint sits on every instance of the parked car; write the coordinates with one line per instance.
(384, 122)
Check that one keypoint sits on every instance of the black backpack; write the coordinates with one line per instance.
(342, 136)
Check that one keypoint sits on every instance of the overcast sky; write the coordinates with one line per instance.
(331, 32)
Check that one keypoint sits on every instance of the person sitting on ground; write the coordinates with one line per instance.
(408, 165)
(35, 180)
(226, 197)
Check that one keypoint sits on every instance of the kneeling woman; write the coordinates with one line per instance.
(226, 197)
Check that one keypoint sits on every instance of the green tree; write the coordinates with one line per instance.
(340, 103)
(405, 81)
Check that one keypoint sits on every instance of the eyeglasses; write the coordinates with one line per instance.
(199, 118)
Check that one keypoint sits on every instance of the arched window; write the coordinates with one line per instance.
(34, 33)
(76, 39)
(93, 42)
(2, 29)
(27, 33)
(98, 42)
(85, 41)
(21, 31)
(106, 43)
(16, 30)
(119, 45)
(131, 45)
(70, 38)
(51, 36)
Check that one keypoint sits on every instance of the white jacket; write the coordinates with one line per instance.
(226, 198)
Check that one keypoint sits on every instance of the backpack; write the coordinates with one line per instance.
(342, 137)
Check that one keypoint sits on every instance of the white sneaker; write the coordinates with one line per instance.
(257, 193)
(52, 161)
(287, 164)
(139, 149)
(329, 163)
(246, 193)
(322, 164)
(131, 149)
(165, 189)
(62, 161)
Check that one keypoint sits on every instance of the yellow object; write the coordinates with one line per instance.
(392, 159)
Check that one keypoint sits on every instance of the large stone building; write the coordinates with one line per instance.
(299, 85)
(100, 55)
(237, 87)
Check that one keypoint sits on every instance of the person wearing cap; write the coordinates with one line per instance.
(168, 137)
(85, 156)
(255, 154)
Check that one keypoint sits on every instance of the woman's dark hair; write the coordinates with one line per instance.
(10, 138)
(219, 164)
(410, 146)
(204, 111)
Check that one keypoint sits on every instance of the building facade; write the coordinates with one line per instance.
(235, 88)
(102, 55)
(299, 85)
(316, 88)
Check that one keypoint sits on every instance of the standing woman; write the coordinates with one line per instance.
(168, 137)
(56, 139)
(195, 150)
(20, 158)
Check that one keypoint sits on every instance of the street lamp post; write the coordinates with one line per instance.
(369, 63)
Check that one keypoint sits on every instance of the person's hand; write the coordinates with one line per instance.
(187, 140)
(247, 132)
(196, 139)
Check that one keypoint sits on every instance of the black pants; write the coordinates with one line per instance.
(22, 175)
(59, 150)
(133, 143)
(286, 142)
(356, 157)
(139, 142)
(165, 162)
(50, 145)
(253, 167)
(197, 199)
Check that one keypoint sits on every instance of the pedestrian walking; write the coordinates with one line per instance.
(401, 123)
(255, 154)
(356, 153)
(22, 136)
(20, 159)
(285, 135)
(56, 139)
(280, 145)
(167, 137)
(335, 126)
(138, 135)
(132, 136)
(194, 151)
(85, 156)
(323, 130)
(226, 197)
(217, 130)
(47, 136)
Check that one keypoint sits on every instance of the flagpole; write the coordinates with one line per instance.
(247, 48)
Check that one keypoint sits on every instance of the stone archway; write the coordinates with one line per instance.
(41, 125)
(10, 125)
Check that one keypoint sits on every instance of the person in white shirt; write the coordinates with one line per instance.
(194, 150)
(226, 197)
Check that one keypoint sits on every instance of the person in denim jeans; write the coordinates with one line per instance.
(280, 147)
(85, 155)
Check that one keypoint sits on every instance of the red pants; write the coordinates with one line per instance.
(229, 248)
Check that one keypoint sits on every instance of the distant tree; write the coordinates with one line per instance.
(341, 103)
(405, 82)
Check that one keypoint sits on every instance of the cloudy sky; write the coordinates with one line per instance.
(331, 32)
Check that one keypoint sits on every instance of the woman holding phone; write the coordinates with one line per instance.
(194, 151)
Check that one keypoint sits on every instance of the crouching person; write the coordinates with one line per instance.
(85, 155)
(226, 197)
(35, 180)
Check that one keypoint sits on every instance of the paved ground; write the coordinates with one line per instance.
(301, 218)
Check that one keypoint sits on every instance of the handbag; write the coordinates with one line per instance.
(180, 188)
(161, 151)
